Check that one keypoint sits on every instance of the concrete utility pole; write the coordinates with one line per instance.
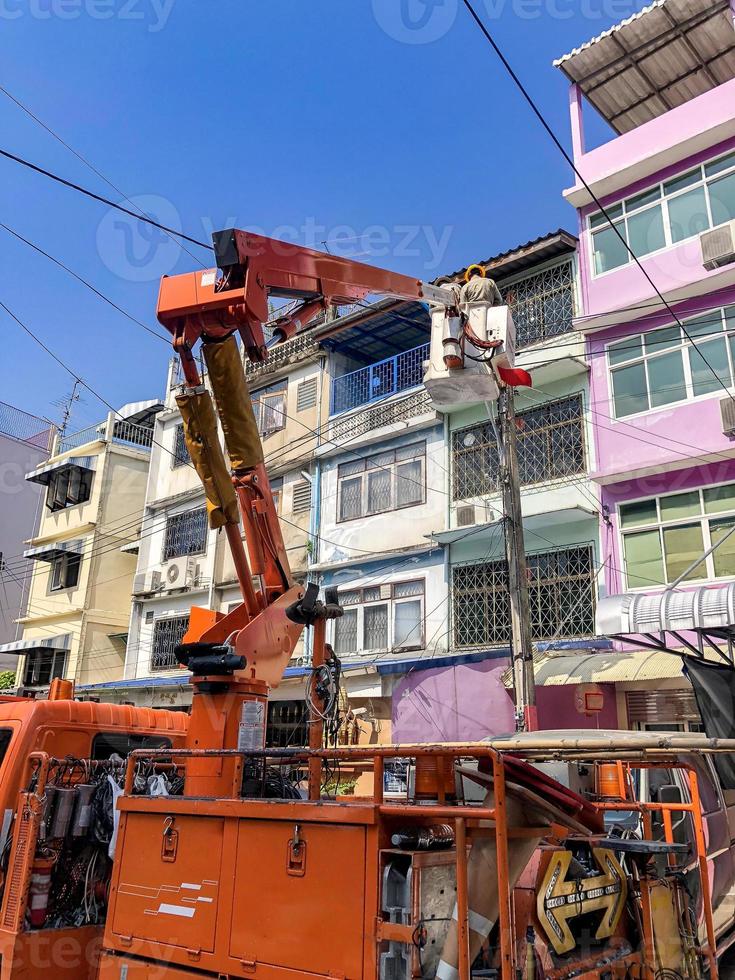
(524, 681)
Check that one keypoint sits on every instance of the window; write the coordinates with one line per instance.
(301, 497)
(288, 724)
(68, 487)
(181, 455)
(43, 666)
(381, 617)
(386, 481)
(550, 446)
(167, 635)
(105, 744)
(561, 598)
(306, 393)
(663, 536)
(186, 534)
(277, 492)
(269, 405)
(6, 737)
(662, 367)
(668, 213)
(542, 304)
(65, 572)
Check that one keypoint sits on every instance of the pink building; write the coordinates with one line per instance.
(660, 326)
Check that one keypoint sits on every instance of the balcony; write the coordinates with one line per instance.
(380, 380)
(118, 431)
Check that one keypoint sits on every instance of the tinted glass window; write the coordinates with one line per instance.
(122, 743)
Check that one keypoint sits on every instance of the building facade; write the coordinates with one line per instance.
(25, 443)
(92, 486)
(659, 325)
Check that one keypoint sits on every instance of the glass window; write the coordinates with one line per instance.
(641, 200)
(345, 633)
(408, 620)
(378, 491)
(640, 512)
(68, 487)
(646, 231)
(181, 455)
(724, 554)
(707, 359)
(722, 199)
(625, 350)
(719, 166)
(381, 617)
(65, 572)
(376, 627)
(186, 534)
(610, 252)
(660, 340)
(350, 499)
(666, 379)
(409, 483)
(682, 546)
(599, 220)
(685, 180)
(679, 505)
(269, 405)
(718, 499)
(705, 325)
(383, 482)
(688, 214)
(643, 559)
(43, 666)
(168, 634)
(630, 393)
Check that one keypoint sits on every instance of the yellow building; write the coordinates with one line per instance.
(78, 609)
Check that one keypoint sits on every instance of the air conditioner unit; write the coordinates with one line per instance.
(718, 246)
(146, 582)
(727, 414)
(181, 573)
(467, 515)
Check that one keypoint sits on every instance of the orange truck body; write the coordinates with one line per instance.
(59, 728)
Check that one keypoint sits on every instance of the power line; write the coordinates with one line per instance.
(542, 119)
(98, 197)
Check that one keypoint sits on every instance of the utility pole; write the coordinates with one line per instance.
(524, 681)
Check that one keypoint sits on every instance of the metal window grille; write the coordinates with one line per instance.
(186, 534)
(288, 724)
(550, 446)
(306, 392)
(376, 627)
(301, 497)
(345, 632)
(296, 349)
(379, 380)
(561, 598)
(181, 455)
(542, 304)
(370, 419)
(42, 666)
(167, 635)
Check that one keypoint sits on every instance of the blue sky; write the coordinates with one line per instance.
(386, 127)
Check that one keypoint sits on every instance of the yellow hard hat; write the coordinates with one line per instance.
(474, 268)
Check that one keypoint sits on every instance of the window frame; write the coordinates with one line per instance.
(359, 604)
(85, 487)
(392, 467)
(261, 400)
(169, 621)
(726, 331)
(180, 456)
(170, 519)
(34, 660)
(61, 570)
(702, 518)
(703, 181)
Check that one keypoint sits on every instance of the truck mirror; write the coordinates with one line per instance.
(670, 793)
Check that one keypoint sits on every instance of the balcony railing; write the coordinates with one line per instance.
(113, 430)
(380, 380)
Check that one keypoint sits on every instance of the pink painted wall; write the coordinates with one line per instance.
(468, 702)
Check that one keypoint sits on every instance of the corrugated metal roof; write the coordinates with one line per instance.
(601, 668)
(522, 257)
(658, 59)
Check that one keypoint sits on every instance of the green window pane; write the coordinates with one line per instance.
(722, 199)
(708, 362)
(659, 340)
(703, 326)
(627, 349)
(717, 166)
(724, 555)
(680, 505)
(685, 180)
(640, 200)
(610, 251)
(630, 394)
(643, 559)
(682, 546)
(646, 231)
(730, 317)
(640, 512)
(688, 215)
(599, 220)
(666, 379)
(719, 499)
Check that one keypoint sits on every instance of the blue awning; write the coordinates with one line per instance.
(44, 473)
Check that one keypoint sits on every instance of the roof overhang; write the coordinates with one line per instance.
(531, 522)
(54, 550)
(636, 666)
(523, 258)
(52, 643)
(140, 413)
(660, 58)
(671, 619)
(43, 474)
